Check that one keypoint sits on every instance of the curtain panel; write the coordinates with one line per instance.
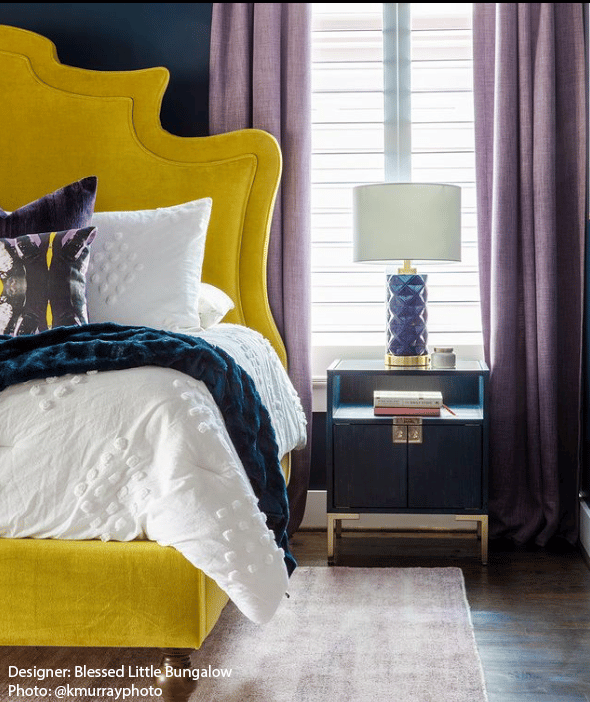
(260, 76)
(530, 132)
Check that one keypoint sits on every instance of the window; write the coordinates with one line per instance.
(348, 144)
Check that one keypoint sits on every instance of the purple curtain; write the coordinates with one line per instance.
(260, 76)
(530, 132)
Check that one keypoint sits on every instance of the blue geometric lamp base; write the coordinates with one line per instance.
(406, 321)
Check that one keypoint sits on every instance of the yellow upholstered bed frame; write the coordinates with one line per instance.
(59, 124)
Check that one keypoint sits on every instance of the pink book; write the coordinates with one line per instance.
(423, 411)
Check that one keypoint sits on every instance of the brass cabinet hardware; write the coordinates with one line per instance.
(407, 430)
(399, 434)
(415, 435)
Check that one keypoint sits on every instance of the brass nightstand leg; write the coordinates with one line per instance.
(335, 525)
(482, 531)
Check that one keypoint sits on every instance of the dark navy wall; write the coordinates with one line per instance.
(124, 36)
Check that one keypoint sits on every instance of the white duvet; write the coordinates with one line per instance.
(144, 454)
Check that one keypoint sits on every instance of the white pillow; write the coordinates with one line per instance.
(214, 304)
(145, 266)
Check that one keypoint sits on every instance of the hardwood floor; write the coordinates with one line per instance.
(530, 607)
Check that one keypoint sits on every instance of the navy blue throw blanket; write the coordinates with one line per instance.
(108, 346)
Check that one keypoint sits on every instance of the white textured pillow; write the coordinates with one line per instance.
(145, 266)
(214, 304)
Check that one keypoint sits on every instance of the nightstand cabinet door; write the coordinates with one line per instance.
(372, 470)
(445, 469)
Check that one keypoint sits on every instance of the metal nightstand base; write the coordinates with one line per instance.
(335, 530)
(335, 525)
(482, 531)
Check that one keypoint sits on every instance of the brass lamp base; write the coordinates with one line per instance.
(391, 360)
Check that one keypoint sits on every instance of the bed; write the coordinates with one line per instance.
(164, 253)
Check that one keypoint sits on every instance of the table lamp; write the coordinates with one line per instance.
(401, 222)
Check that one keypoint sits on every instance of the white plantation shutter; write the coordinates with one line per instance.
(348, 149)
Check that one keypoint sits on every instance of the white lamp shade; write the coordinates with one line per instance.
(406, 221)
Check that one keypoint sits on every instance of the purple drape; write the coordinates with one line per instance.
(260, 76)
(530, 129)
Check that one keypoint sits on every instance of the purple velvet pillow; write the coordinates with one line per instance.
(43, 280)
(70, 207)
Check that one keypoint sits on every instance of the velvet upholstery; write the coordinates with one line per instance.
(106, 124)
(90, 589)
(63, 124)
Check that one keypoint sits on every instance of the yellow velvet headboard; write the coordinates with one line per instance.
(59, 124)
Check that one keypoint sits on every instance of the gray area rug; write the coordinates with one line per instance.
(350, 634)
(343, 635)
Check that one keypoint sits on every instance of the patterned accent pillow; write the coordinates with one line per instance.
(43, 280)
(70, 207)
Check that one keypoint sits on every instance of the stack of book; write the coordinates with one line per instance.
(407, 402)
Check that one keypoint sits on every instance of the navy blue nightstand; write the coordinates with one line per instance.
(408, 464)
